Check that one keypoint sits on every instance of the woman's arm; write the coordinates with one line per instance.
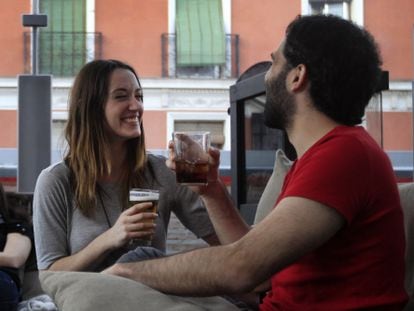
(129, 226)
(52, 222)
(16, 250)
(84, 260)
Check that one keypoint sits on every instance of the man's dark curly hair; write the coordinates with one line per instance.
(342, 61)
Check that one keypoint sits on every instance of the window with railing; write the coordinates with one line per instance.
(62, 54)
(68, 41)
(199, 43)
(171, 67)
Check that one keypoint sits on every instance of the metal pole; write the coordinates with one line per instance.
(412, 125)
(34, 113)
(35, 39)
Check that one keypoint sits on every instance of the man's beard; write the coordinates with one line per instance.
(280, 105)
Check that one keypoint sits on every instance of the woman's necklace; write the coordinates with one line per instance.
(105, 212)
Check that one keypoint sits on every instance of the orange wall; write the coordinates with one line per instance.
(391, 23)
(155, 124)
(373, 125)
(132, 32)
(11, 36)
(398, 131)
(155, 127)
(8, 132)
(261, 26)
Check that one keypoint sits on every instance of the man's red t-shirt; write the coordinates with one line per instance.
(362, 266)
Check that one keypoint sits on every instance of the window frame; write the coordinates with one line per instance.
(200, 116)
(198, 71)
(355, 9)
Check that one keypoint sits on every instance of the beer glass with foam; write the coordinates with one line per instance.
(137, 195)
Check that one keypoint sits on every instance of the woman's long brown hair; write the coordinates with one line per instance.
(88, 148)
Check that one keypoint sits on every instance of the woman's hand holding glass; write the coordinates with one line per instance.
(134, 223)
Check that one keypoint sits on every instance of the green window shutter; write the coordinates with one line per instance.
(200, 33)
(62, 45)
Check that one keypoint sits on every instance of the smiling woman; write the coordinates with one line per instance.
(80, 213)
(124, 108)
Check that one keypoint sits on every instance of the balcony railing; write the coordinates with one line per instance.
(169, 61)
(62, 54)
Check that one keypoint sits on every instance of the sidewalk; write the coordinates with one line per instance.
(181, 239)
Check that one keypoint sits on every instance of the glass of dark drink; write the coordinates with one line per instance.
(191, 163)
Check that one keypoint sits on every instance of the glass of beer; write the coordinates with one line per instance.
(191, 163)
(138, 195)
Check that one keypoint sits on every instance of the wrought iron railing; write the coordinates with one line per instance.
(62, 54)
(169, 60)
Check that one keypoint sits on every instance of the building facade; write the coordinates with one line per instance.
(187, 54)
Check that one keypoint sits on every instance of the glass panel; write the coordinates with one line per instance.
(261, 143)
(373, 118)
(216, 129)
(58, 135)
(336, 9)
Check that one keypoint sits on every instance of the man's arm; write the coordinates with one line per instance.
(227, 221)
(295, 227)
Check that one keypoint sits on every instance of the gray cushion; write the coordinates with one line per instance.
(274, 185)
(87, 291)
(407, 202)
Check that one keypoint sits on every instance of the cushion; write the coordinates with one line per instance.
(88, 291)
(407, 202)
(273, 187)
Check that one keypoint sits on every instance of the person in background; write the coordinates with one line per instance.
(15, 246)
(335, 238)
(81, 220)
